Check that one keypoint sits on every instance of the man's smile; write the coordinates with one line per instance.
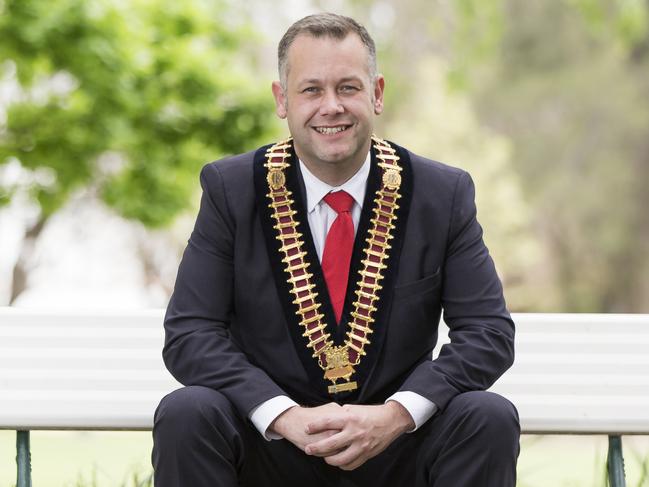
(330, 129)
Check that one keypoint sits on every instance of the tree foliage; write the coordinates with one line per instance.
(127, 97)
(567, 84)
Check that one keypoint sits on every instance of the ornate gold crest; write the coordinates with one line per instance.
(276, 179)
(392, 179)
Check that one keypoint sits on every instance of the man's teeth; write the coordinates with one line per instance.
(330, 130)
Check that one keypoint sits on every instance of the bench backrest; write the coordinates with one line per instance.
(580, 373)
(93, 370)
(81, 370)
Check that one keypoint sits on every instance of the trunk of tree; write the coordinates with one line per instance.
(22, 266)
(153, 275)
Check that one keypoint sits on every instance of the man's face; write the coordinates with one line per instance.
(330, 101)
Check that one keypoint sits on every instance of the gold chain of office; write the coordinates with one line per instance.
(337, 361)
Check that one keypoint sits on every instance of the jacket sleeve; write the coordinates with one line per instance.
(481, 331)
(198, 347)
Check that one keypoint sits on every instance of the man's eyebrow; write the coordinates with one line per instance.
(313, 81)
(316, 81)
(351, 78)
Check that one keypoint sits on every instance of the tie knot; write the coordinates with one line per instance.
(340, 201)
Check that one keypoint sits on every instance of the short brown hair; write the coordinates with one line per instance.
(324, 25)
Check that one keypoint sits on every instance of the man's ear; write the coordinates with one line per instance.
(280, 99)
(379, 85)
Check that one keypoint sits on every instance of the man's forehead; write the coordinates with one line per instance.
(306, 47)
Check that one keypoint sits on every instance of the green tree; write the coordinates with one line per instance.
(566, 83)
(129, 98)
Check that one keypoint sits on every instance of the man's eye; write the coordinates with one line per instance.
(348, 88)
(310, 89)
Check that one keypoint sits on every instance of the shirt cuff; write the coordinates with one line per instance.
(264, 414)
(420, 408)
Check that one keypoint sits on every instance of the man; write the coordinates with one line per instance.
(307, 302)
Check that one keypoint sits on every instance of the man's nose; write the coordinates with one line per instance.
(330, 103)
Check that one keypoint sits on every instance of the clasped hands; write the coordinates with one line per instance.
(344, 436)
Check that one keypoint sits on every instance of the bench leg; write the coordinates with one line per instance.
(615, 462)
(23, 459)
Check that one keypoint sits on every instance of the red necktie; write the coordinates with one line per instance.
(338, 248)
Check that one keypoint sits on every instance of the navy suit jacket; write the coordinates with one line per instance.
(230, 324)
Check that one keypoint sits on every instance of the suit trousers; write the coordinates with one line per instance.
(200, 440)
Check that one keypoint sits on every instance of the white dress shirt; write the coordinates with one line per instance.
(320, 217)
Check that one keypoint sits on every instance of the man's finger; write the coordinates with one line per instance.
(328, 446)
(315, 438)
(348, 456)
(326, 423)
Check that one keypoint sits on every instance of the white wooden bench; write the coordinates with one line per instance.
(574, 373)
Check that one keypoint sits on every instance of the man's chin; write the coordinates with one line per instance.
(334, 157)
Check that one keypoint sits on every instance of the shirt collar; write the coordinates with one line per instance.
(317, 189)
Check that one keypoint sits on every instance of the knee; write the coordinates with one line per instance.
(189, 407)
(488, 412)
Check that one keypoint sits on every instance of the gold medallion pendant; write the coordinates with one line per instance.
(337, 361)
(339, 368)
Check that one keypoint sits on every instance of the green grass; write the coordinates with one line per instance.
(122, 459)
(80, 458)
(578, 461)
